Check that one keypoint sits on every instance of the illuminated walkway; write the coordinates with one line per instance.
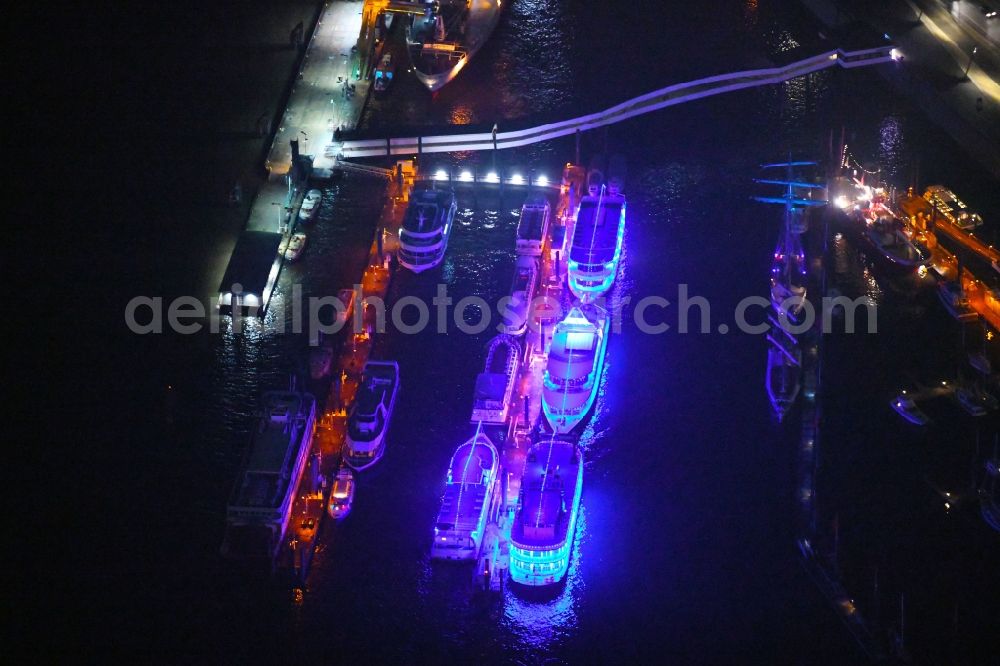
(654, 101)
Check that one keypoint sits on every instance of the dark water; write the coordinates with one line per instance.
(686, 541)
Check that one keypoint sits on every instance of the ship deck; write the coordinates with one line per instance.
(549, 484)
(483, 16)
(595, 239)
(530, 226)
(273, 451)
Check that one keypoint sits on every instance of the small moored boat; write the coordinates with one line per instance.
(292, 246)
(309, 204)
(341, 494)
(533, 226)
(904, 405)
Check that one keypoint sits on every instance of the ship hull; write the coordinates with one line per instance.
(454, 539)
(359, 460)
(564, 423)
(553, 565)
(482, 19)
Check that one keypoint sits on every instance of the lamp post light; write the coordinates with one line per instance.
(305, 142)
(971, 59)
(280, 221)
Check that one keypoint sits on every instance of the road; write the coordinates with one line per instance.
(317, 105)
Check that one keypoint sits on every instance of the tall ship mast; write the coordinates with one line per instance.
(788, 270)
(261, 502)
(443, 39)
(788, 286)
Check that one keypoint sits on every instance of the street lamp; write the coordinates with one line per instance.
(280, 228)
(971, 58)
(305, 144)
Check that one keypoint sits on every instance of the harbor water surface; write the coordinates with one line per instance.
(686, 544)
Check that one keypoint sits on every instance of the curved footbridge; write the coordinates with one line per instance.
(654, 101)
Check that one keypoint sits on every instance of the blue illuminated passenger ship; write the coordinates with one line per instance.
(573, 370)
(427, 224)
(471, 500)
(541, 536)
(598, 234)
(261, 504)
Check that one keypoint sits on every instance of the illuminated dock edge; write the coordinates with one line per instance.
(546, 563)
(251, 274)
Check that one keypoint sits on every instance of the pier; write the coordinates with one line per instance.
(654, 101)
(313, 141)
(313, 494)
(981, 296)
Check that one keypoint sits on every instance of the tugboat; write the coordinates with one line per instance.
(427, 224)
(309, 205)
(368, 421)
(887, 234)
(516, 309)
(471, 500)
(574, 367)
(341, 494)
(495, 384)
(443, 39)
(541, 536)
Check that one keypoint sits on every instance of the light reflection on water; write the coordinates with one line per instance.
(539, 623)
(892, 149)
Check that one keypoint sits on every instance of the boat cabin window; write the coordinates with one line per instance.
(580, 341)
(521, 280)
(368, 423)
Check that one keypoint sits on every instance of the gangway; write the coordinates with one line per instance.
(653, 101)
(352, 167)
